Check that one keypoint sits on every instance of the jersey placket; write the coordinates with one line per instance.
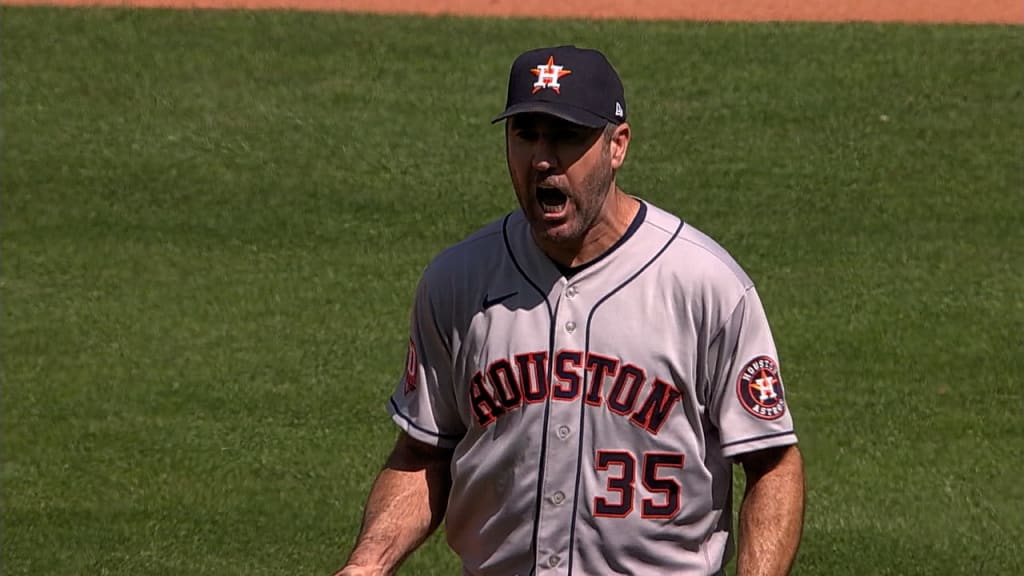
(561, 458)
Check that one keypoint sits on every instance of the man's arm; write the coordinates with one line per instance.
(406, 504)
(772, 513)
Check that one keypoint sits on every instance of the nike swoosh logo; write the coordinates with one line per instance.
(488, 302)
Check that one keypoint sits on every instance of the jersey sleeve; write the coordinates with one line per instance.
(748, 401)
(423, 403)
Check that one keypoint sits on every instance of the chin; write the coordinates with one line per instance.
(562, 233)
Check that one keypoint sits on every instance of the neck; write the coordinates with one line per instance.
(616, 216)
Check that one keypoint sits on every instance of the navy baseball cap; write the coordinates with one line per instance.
(575, 84)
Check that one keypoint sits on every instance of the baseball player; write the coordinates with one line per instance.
(583, 373)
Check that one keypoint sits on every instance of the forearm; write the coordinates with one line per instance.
(771, 518)
(406, 504)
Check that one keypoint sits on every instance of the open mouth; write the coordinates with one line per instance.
(552, 200)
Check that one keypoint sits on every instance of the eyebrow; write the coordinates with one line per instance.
(554, 124)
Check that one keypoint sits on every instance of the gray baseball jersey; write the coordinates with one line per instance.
(593, 417)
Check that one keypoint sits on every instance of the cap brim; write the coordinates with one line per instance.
(563, 111)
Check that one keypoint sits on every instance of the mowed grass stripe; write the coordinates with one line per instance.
(213, 223)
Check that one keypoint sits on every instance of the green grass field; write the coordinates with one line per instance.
(212, 224)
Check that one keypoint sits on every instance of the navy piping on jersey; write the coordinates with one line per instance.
(583, 405)
(570, 271)
(756, 438)
(420, 428)
(547, 401)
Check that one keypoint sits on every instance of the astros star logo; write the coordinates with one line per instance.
(548, 75)
(766, 386)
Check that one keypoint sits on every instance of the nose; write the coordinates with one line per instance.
(544, 157)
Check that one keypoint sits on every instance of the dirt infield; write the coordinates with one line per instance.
(973, 11)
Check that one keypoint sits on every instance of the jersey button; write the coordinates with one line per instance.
(558, 498)
(570, 326)
(563, 432)
(571, 292)
(553, 560)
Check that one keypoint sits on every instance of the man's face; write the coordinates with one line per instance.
(562, 173)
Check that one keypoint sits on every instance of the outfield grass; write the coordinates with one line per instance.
(212, 224)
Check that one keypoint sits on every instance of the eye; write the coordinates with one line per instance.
(571, 135)
(527, 134)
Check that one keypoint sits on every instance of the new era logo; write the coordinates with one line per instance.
(618, 110)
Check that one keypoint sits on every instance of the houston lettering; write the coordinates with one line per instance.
(620, 387)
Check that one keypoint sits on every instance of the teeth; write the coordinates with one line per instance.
(551, 200)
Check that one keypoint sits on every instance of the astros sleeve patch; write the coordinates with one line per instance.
(759, 389)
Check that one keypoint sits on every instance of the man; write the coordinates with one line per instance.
(583, 373)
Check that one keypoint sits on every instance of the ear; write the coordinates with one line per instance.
(619, 145)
